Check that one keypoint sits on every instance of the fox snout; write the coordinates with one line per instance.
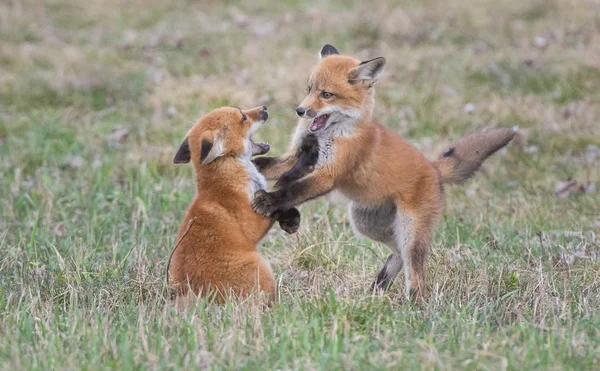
(258, 113)
(303, 112)
(310, 107)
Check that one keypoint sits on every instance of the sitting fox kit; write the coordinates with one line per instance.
(396, 194)
(217, 248)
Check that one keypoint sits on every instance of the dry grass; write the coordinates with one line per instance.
(87, 218)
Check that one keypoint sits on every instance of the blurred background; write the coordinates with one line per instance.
(95, 97)
(74, 73)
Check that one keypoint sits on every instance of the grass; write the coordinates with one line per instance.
(87, 221)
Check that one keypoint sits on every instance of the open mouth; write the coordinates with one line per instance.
(259, 148)
(319, 122)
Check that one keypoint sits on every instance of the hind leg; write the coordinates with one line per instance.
(378, 222)
(414, 250)
(387, 274)
(409, 247)
(403, 226)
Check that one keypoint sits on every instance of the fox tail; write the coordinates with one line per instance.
(461, 161)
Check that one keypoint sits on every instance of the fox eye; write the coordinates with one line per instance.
(244, 117)
(326, 95)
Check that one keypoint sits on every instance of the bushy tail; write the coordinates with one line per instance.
(461, 161)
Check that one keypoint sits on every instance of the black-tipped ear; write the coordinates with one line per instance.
(183, 154)
(367, 70)
(206, 147)
(328, 50)
(211, 149)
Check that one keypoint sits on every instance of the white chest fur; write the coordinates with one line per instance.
(257, 180)
(326, 151)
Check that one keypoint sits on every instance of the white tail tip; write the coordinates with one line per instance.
(515, 128)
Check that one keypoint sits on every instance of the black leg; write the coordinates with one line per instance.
(384, 279)
(308, 156)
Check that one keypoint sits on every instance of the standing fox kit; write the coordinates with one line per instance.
(217, 248)
(396, 194)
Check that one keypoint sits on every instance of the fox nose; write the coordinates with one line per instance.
(264, 113)
(300, 111)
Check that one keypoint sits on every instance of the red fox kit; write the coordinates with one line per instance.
(396, 194)
(217, 248)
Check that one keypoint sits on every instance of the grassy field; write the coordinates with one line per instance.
(96, 96)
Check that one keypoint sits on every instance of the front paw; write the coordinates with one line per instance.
(310, 143)
(289, 220)
(262, 163)
(309, 151)
(264, 203)
(260, 148)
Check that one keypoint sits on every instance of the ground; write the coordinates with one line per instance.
(96, 96)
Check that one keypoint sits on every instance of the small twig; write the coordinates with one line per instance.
(190, 223)
(539, 234)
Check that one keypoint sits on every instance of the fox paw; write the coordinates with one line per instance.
(262, 163)
(310, 149)
(289, 220)
(264, 203)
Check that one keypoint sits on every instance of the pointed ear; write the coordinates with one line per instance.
(183, 154)
(367, 70)
(211, 150)
(328, 50)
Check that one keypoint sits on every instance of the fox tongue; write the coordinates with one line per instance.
(319, 122)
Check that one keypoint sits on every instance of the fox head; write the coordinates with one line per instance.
(224, 132)
(340, 90)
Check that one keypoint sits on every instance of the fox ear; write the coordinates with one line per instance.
(328, 50)
(211, 150)
(183, 153)
(367, 70)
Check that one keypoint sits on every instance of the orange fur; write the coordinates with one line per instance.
(387, 180)
(219, 253)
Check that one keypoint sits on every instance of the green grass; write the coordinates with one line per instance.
(87, 223)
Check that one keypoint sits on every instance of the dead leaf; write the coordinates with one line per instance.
(118, 137)
(531, 149)
(564, 189)
(205, 52)
(470, 108)
(76, 162)
(171, 112)
(58, 229)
